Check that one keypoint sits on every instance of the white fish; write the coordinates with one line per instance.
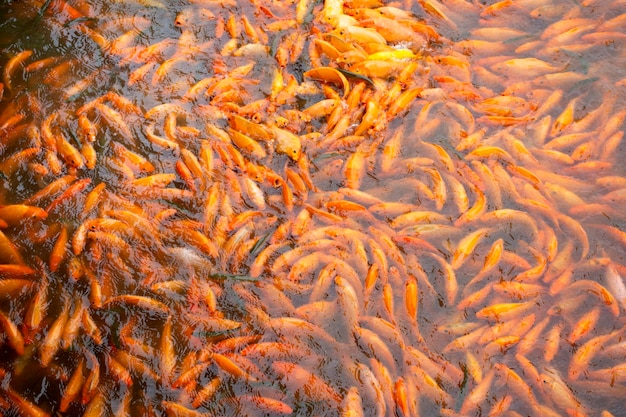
(615, 284)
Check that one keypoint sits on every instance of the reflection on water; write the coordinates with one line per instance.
(312, 208)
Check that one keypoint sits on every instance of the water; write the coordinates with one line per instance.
(462, 255)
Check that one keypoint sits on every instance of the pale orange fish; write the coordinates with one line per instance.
(466, 246)
(475, 298)
(74, 386)
(15, 214)
(352, 404)
(12, 66)
(9, 253)
(52, 342)
(207, 392)
(92, 380)
(505, 311)
(556, 389)
(299, 379)
(175, 409)
(24, 406)
(14, 336)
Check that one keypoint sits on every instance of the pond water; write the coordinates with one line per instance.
(218, 207)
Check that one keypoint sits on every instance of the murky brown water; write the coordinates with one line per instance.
(312, 208)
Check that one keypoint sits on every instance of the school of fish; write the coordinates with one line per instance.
(313, 208)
